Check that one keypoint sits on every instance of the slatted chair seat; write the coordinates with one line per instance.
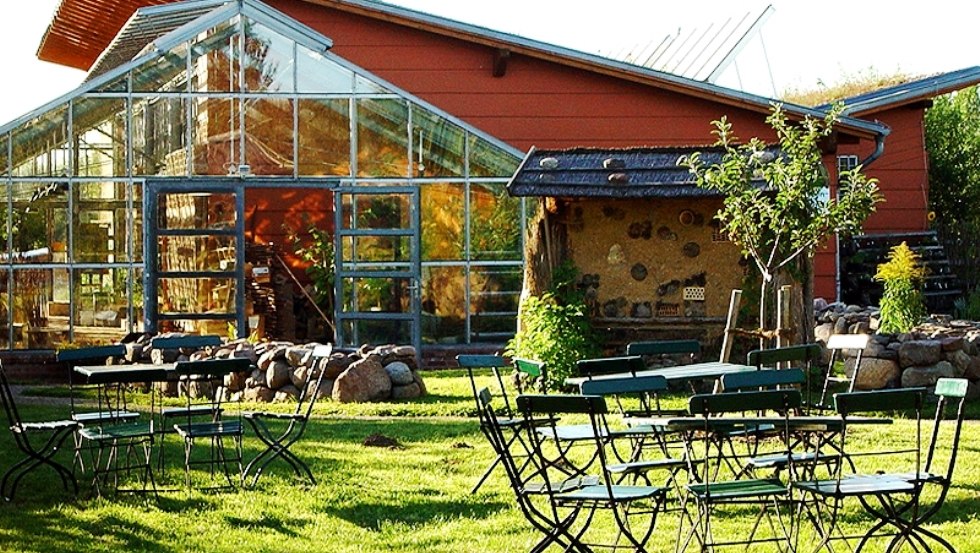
(208, 429)
(604, 494)
(739, 489)
(121, 448)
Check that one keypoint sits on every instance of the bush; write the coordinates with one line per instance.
(968, 307)
(902, 305)
(556, 333)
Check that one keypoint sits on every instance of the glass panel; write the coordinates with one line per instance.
(443, 220)
(100, 224)
(118, 84)
(382, 141)
(376, 332)
(99, 135)
(376, 211)
(168, 72)
(494, 296)
(101, 308)
(40, 222)
(139, 323)
(160, 136)
(196, 295)
(215, 59)
(4, 154)
(4, 213)
(440, 145)
(211, 210)
(4, 312)
(269, 135)
(495, 223)
(316, 73)
(268, 60)
(196, 253)
(444, 305)
(137, 234)
(219, 327)
(377, 294)
(215, 136)
(488, 160)
(324, 137)
(377, 249)
(40, 308)
(40, 147)
(364, 85)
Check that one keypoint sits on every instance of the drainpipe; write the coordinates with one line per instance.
(879, 149)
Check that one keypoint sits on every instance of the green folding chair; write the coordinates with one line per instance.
(802, 357)
(572, 509)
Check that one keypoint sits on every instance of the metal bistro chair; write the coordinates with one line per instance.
(801, 356)
(838, 344)
(116, 409)
(506, 420)
(709, 491)
(53, 434)
(528, 486)
(634, 509)
(688, 350)
(278, 442)
(894, 498)
(218, 429)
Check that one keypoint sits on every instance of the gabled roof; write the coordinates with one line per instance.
(611, 173)
(909, 93)
(82, 29)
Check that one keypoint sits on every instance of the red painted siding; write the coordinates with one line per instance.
(536, 103)
(902, 172)
(270, 213)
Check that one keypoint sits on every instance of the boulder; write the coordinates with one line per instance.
(326, 388)
(960, 361)
(422, 389)
(298, 356)
(337, 364)
(819, 304)
(403, 351)
(400, 374)
(973, 371)
(927, 376)
(270, 356)
(823, 332)
(246, 352)
(236, 381)
(875, 373)
(364, 380)
(162, 356)
(919, 353)
(278, 375)
(840, 326)
(259, 393)
(409, 391)
(287, 393)
(954, 343)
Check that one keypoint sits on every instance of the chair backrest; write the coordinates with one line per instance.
(556, 404)
(763, 379)
(542, 413)
(781, 401)
(949, 391)
(609, 365)
(311, 388)
(664, 347)
(806, 354)
(88, 355)
(533, 369)
(837, 344)
(212, 368)
(189, 341)
(485, 361)
(848, 341)
(644, 388)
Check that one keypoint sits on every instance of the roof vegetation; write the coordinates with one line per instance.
(849, 85)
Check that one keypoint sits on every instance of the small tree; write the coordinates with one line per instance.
(786, 217)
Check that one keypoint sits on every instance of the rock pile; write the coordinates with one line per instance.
(938, 348)
(368, 374)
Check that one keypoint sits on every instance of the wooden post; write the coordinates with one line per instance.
(784, 320)
(726, 343)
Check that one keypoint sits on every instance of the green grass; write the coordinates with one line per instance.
(415, 498)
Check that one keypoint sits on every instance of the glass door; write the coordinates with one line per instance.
(195, 257)
(377, 265)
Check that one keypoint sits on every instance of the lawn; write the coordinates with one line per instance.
(411, 498)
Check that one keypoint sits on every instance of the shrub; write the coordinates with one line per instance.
(556, 333)
(968, 307)
(902, 305)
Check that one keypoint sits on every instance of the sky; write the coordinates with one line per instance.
(802, 44)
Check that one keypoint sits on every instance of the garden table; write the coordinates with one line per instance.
(712, 370)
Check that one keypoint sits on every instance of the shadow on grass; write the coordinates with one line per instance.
(431, 505)
(55, 529)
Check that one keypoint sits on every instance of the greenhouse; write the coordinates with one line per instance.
(208, 127)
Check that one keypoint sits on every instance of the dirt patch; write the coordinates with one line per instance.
(380, 440)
